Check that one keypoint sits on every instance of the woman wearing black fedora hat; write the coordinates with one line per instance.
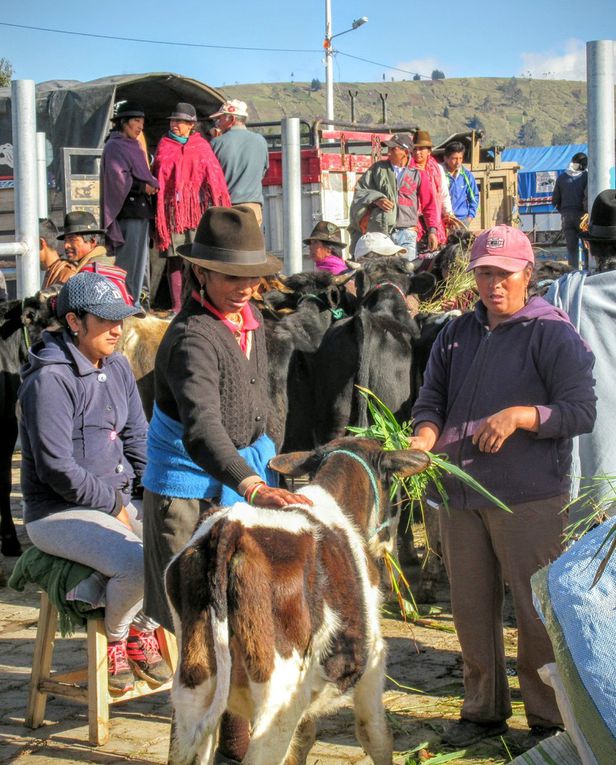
(589, 298)
(208, 442)
(191, 180)
(127, 186)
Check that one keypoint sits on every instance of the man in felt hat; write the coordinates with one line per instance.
(390, 196)
(207, 441)
(590, 301)
(191, 180)
(83, 239)
(326, 248)
(242, 155)
(434, 174)
(570, 199)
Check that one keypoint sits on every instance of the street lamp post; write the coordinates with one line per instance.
(329, 56)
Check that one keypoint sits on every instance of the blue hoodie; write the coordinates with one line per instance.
(534, 358)
(83, 431)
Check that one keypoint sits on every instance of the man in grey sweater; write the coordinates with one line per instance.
(242, 155)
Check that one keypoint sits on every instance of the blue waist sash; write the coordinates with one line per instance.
(172, 473)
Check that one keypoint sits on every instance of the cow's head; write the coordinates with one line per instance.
(358, 472)
(393, 270)
(38, 313)
(323, 288)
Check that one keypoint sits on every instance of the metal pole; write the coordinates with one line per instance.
(329, 69)
(291, 195)
(23, 108)
(41, 166)
(600, 85)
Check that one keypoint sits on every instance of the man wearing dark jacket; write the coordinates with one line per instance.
(570, 199)
(389, 196)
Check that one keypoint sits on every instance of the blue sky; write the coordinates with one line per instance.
(540, 38)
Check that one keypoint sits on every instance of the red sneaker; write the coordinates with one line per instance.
(120, 675)
(145, 659)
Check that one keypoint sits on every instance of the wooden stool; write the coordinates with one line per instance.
(96, 691)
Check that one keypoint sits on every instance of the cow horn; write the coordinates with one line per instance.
(342, 279)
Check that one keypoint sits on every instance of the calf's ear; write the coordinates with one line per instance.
(404, 462)
(294, 463)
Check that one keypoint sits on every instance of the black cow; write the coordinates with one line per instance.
(373, 349)
(21, 324)
(309, 304)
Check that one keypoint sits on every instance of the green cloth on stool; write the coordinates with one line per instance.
(57, 576)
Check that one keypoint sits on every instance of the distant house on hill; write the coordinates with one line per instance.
(540, 166)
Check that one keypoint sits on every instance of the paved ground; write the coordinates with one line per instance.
(423, 694)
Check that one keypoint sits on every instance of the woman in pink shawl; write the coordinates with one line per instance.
(326, 247)
(423, 160)
(191, 180)
(127, 186)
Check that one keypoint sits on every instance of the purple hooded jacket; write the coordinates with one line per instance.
(122, 164)
(83, 430)
(534, 358)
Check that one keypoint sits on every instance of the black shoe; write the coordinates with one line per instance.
(464, 732)
(539, 733)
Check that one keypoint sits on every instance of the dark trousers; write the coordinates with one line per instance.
(483, 549)
(570, 220)
(134, 256)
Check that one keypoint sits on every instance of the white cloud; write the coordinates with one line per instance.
(568, 63)
(423, 66)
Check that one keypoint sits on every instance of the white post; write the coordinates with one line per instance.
(291, 195)
(23, 107)
(600, 85)
(41, 166)
(329, 68)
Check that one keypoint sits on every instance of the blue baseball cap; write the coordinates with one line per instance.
(91, 293)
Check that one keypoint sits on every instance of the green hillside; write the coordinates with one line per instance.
(512, 112)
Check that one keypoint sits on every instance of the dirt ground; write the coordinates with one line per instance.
(423, 693)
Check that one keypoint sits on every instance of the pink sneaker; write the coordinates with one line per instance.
(145, 659)
(120, 675)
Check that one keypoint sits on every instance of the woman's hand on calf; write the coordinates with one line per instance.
(268, 496)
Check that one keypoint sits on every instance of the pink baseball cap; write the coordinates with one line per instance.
(502, 247)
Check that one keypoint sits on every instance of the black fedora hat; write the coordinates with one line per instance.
(229, 240)
(326, 232)
(184, 111)
(79, 222)
(602, 223)
(127, 110)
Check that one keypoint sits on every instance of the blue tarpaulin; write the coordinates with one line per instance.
(539, 168)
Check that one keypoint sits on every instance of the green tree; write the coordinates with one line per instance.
(437, 74)
(6, 72)
(315, 84)
(417, 77)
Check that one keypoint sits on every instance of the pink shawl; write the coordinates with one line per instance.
(191, 180)
(433, 172)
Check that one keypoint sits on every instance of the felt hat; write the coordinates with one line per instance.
(127, 110)
(602, 223)
(229, 240)
(326, 232)
(503, 247)
(401, 140)
(79, 222)
(235, 107)
(184, 111)
(422, 138)
(88, 292)
(378, 243)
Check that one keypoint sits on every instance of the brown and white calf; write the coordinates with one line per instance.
(277, 611)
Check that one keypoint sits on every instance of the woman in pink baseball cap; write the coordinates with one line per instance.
(506, 388)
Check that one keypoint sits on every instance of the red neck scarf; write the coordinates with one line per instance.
(241, 330)
(191, 180)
